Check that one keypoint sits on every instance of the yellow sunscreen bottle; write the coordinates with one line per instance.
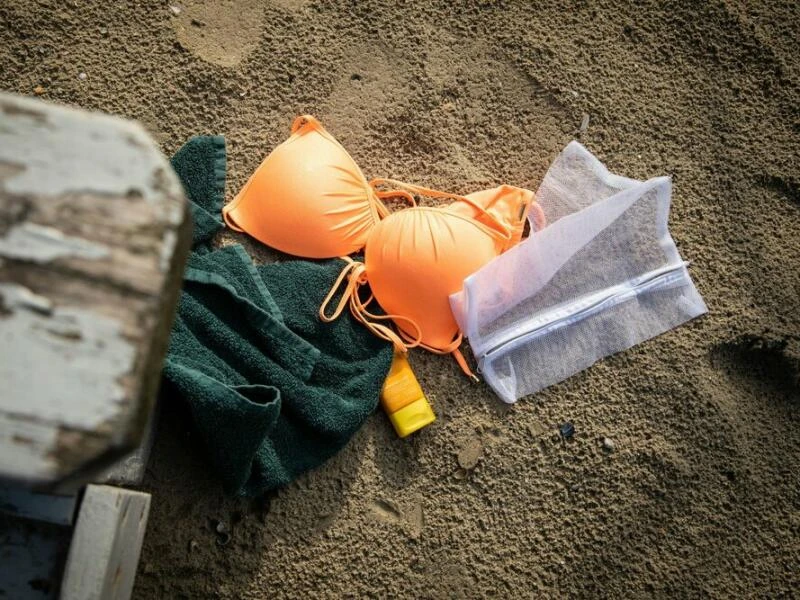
(403, 400)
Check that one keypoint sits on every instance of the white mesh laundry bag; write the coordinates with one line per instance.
(603, 276)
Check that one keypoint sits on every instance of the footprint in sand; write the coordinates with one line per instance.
(222, 32)
(387, 510)
(765, 363)
(412, 518)
(758, 398)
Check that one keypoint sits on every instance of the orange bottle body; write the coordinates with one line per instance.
(403, 399)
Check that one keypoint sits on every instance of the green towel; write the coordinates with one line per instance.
(273, 390)
(200, 165)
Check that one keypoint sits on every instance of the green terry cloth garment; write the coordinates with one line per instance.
(273, 391)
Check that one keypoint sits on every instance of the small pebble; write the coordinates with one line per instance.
(567, 430)
(104, 31)
(608, 444)
(584, 123)
(223, 533)
(176, 10)
(82, 76)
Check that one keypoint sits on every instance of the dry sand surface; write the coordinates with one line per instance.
(701, 493)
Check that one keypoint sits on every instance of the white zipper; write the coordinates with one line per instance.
(591, 304)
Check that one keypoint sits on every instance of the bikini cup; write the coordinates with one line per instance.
(416, 258)
(308, 197)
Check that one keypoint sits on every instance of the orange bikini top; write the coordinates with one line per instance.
(310, 199)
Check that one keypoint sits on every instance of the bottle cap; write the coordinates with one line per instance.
(412, 417)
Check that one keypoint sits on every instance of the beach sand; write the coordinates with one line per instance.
(701, 493)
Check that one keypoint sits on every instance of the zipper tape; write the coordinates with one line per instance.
(586, 306)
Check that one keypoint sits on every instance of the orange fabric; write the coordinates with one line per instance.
(416, 258)
(507, 204)
(310, 199)
(356, 277)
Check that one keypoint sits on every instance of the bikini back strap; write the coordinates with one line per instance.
(500, 230)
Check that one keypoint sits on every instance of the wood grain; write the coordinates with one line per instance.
(94, 232)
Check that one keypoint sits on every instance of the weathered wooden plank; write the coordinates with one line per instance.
(94, 232)
(129, 471)
(106, 544)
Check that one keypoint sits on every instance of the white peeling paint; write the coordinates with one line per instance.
(16, 296)
(167, 250)
(39, 244)
(64, 150)
(83, 354)
(26, 449)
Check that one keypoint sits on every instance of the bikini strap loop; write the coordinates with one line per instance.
(452, 349)
(347, 271)
(304, 120)
(355, 273)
